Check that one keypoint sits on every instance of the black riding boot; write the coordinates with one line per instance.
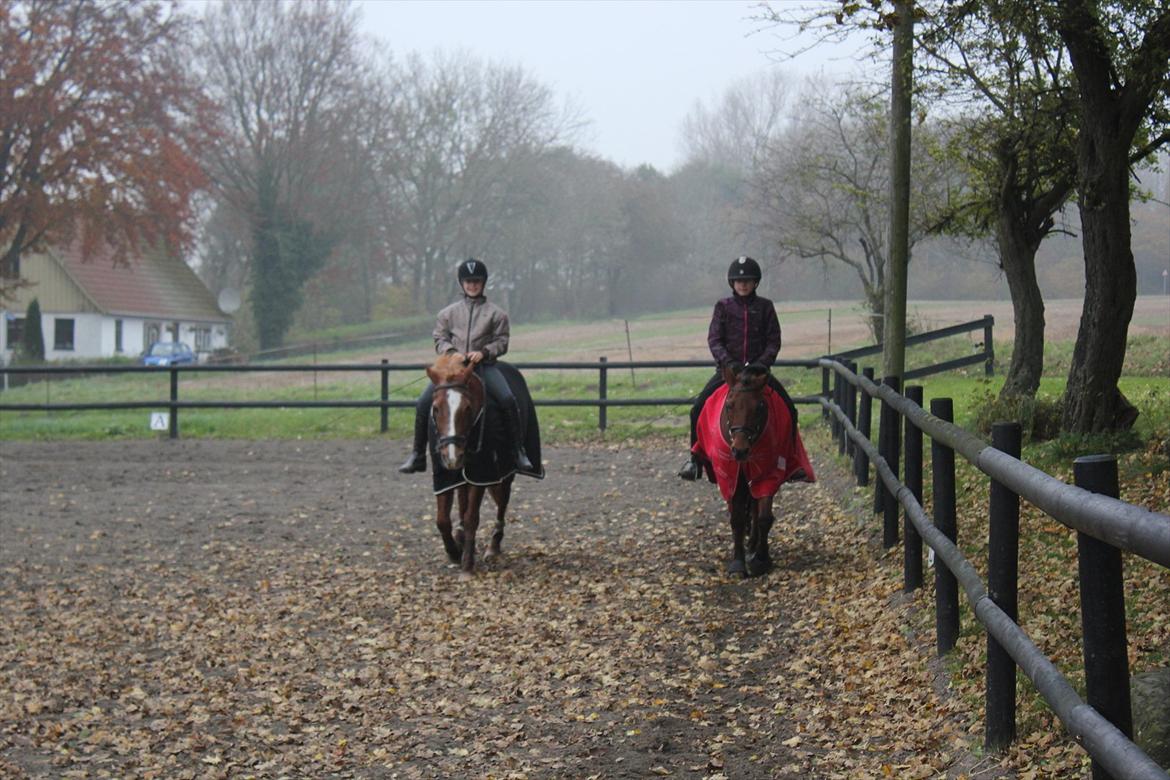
(690, 470)
(517, 432)
(418, 456)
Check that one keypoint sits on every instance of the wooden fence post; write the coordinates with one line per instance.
(825, 391)
(1003, 552)
(174, 423)
(385, 395)
(839, 384)
(893, 435)
(865, 425)
(851, 407)
(988, 345)
(946, 587)
(603, 394)
(912, 478)
(1103, 609)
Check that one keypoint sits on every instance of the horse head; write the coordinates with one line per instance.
(456, 406)
(745, 412)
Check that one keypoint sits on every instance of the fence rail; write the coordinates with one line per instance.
(384, 403)
(1105, 527)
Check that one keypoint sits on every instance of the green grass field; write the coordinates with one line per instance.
(1146, 383)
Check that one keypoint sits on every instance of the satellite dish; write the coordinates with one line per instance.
(229, 300)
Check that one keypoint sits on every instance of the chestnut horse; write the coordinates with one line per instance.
(457, 411)
(748, 438)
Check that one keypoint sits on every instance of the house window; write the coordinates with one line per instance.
(15, 332)
(202, 338)
(63, 334)
(150, 334)
(117, 335)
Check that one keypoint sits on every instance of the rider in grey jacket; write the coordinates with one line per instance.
(479, 330)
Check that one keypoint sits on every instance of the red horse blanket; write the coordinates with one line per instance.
(777, 457)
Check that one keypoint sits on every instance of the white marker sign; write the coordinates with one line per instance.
(160, 421)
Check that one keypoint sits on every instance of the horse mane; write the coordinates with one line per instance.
(450, 367)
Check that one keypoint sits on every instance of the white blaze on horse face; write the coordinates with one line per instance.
(454, 401)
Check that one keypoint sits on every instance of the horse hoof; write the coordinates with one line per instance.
(736, 566)
(465, 575)
(758, 566)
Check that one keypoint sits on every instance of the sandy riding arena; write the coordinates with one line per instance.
(284, 609)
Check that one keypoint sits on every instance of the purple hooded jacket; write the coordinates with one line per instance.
(744, 330)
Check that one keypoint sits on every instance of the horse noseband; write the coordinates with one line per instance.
(753, 431)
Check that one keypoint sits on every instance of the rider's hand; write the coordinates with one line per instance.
(475, 357)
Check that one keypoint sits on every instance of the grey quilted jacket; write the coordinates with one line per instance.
(470, 325)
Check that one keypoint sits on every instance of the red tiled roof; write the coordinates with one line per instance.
(154, 285)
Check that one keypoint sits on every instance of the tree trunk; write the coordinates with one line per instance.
(1110, 117)
(875, 303)
(901, 89)
(1092, 400)
(1017, 257)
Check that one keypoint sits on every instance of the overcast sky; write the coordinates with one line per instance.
(634, 68)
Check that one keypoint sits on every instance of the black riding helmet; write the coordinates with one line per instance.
(743, 269)
(472, 270)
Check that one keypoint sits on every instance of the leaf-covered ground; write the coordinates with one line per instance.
(284, 609)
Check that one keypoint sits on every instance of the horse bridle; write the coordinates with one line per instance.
(751, 432)
(460, 440)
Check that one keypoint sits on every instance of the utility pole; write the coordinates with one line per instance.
(902, 86)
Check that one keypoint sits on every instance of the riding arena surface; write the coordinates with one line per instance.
(181, 609)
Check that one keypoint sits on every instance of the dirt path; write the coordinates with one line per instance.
(283, 609)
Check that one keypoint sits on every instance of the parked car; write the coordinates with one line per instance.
(168, 353)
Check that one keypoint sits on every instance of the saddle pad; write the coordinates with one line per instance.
(778, 456)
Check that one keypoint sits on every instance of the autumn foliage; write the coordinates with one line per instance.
(99, 127)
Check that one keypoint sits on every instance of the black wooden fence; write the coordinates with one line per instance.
(384, 403)
(1105, 527)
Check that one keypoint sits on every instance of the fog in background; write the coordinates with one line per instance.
(604, 159)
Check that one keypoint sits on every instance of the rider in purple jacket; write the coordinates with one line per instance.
(744, 329)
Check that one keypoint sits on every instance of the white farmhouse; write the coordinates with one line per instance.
(96, 309)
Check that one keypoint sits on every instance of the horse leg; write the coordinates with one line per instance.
(470, 526)
(737, 511)
(462, 491)
(759, 561)
(443, 503)
(501, 494)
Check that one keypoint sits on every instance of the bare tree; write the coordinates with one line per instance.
(457, 133)
(735, 132)
(821, 191)
(289, 81)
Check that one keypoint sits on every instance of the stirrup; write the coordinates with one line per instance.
(416, 462)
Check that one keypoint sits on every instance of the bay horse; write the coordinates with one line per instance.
(749, 441)
(458, 408)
